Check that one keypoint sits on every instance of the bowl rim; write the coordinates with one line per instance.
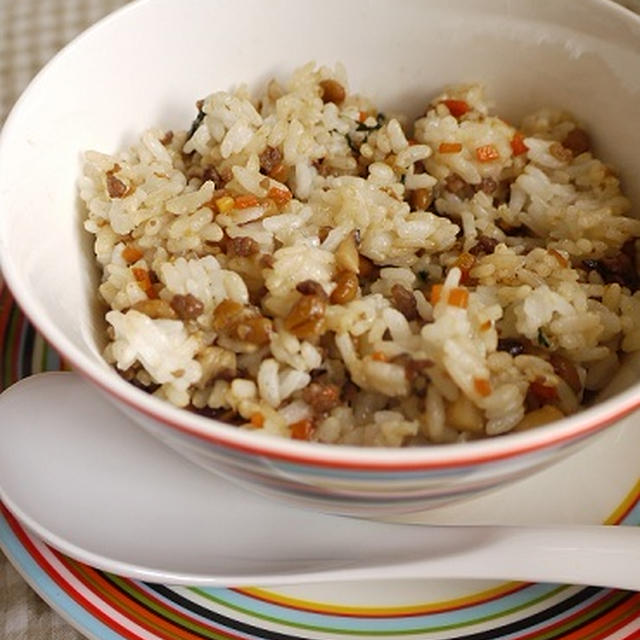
(313, 454)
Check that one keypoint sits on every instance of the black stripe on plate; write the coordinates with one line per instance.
(491, 634)
(218, 618)
(543, 616)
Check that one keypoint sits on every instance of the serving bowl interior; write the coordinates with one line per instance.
(147, 64)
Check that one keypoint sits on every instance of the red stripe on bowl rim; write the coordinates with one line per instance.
(320, 455)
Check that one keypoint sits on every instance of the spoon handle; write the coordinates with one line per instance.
(596, 555)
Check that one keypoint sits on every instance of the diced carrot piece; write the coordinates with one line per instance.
(246, 201)
(378, 356)
(302, 430)
(542, 391)
(482, 386)
(257, 420)
(279, 196)
(458, 297)
(517, 144)
(362, 116)
(487, 153)
(456, 108)
(436, 292)
(140, 274)
(144, 280)
(131, 254)
(450, 147)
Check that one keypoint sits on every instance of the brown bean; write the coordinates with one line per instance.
(366, 268)
(321, 397)
(311, 288)
(346, 288)
(226, 314)
(332, 91)
(115, 187)
(459, 187)
(187, 307)
(280, 172)
(155, 308)
(420, 199)
(243, 246)
(404, 301)
(560, 152)
(255, 329)
(211, 173)
(488, 186)
(269, 159)
(241, 323)
(226, 174)
(577, 141)
(306, 318)
(484, 244)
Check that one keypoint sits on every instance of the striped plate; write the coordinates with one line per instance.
(110, 607)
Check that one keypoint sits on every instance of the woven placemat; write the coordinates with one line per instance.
(31, 32)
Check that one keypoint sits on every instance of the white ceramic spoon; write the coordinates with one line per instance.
(99, 489)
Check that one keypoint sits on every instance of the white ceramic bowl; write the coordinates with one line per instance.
(148, 63)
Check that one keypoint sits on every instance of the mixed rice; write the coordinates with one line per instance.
(304, 265)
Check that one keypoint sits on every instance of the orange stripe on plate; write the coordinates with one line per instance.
(383, 612)
(605, 625)
(624, 508)
(95, 582)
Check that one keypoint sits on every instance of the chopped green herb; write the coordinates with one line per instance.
(423, 275)
(196, 123)
(542, 339)
(380, 118)
(352, 144)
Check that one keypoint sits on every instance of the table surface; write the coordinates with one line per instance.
(31, 31)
